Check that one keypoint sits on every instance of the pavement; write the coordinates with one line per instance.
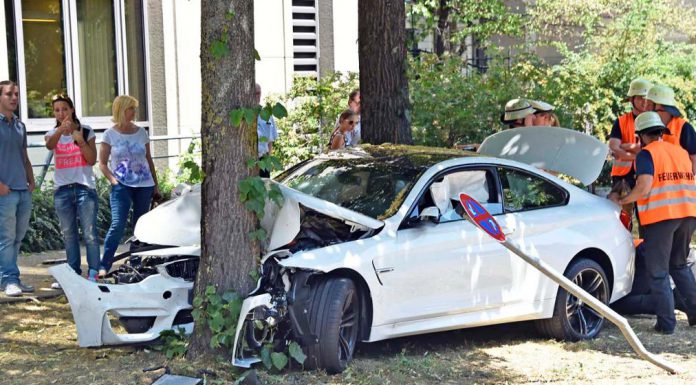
(33, 270)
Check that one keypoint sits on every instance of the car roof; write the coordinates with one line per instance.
(422, 156)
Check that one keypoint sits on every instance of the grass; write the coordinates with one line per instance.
(38, 345)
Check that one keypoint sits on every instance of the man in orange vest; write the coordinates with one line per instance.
(622, 139)
(661, 100)
(665, 193)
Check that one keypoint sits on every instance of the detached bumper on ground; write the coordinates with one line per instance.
(163, 302)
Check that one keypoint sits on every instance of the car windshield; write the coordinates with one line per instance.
(375, 187)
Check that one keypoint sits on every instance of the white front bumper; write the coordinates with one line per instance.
(156, 296)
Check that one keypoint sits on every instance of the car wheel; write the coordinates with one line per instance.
(573, 319)
(333, 318)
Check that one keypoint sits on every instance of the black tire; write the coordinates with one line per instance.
(572, 319)
(333, 318)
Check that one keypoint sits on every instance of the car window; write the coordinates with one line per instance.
(374, 187)
(525, 191)
(444, 193)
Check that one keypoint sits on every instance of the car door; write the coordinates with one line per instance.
(448, 266)
(537, 209)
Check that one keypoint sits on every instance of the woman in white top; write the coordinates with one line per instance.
(125, 160)
(346, 124)
(75, 152)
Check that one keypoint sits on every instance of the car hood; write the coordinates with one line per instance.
(570, 152)
(178, 221)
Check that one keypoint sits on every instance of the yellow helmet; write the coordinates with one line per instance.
(639, 87)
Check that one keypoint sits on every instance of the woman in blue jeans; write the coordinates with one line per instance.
(75, 150)
(125, 160)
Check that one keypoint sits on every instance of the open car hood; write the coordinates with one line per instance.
(282, 223)
(178, 221)
(570, 152)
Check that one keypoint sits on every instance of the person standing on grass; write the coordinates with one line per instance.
(125, 161)
(16, 186)
(266, 132)
(75, 150)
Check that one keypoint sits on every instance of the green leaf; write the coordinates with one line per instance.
(255, 275)
(219, 48)
(296, 352)
(236, 117)
(230, 15)
(210, 290)
(231, 296)
(256, 55)
(279, 360)
(265, 113)
(279, 111)
(249, 115)
(266, 357)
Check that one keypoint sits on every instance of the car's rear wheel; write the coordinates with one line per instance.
(334, 318)
(573, 319)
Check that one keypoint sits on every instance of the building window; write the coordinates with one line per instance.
(304, 37)
(93, 50)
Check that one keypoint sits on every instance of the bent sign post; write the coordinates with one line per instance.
(485, 221)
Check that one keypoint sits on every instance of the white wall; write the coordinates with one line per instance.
(4, 66)
(345, 22)
(181, 22)
(273, 41)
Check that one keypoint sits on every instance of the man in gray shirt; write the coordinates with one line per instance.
(16, 185)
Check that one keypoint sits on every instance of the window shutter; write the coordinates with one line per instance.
(304, 37)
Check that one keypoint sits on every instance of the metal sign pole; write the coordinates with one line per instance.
(484, 221)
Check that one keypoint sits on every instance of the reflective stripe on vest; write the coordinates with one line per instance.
(675, 127)
(673, 191)
(622, 167)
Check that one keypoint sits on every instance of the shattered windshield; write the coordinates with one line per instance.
(375, 187)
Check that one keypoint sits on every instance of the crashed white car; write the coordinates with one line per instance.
(370, 244)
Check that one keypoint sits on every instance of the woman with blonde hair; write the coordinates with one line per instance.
(125, 160)
(346, 124)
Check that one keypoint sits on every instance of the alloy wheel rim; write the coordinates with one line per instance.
(584, 320)
(347, 330)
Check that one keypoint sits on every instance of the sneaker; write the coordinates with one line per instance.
(692, 319)
(93, 275)
(13, 290)
(56, 286)
(102, 273)
(26, 288)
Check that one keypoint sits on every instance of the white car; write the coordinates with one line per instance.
(370, 244)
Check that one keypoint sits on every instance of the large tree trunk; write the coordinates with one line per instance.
(383, 83)
(442, 31)
(228, 254)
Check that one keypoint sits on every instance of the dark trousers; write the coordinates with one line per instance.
(663, 253)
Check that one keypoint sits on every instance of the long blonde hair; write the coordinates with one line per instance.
(121, 104)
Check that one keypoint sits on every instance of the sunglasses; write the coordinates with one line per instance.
(60, 97)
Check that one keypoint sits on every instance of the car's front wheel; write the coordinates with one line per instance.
(573, 319)
(334, 318)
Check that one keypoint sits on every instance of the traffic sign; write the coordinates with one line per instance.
(481, 218)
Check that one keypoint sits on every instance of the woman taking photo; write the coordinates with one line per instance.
(125, 161)
(346, 123)
(75, 151)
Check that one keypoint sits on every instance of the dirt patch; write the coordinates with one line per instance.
(39, 346)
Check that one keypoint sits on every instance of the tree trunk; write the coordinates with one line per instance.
(383, 83)
(228, 254)
(442, 31)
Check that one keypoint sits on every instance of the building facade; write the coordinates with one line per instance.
(94, 50)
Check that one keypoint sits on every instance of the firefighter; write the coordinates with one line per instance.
(622, 139)
(665, 193)
(661, 100)
(518, 113)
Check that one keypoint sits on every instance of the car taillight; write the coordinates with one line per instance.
(626, 220)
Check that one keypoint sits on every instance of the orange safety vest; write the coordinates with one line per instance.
(622, 167)
(673, 191)
(675, 127)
